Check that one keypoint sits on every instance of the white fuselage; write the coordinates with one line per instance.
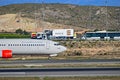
(31, 46)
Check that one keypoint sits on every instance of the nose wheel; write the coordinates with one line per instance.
(49, 57)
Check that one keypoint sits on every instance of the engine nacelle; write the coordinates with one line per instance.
(6, 53)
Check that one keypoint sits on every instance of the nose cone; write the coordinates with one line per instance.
(61, 49)
(64, 48)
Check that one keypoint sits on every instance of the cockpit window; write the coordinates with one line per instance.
(57, 44)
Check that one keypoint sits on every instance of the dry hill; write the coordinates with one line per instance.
(12, 22)
(49, 16)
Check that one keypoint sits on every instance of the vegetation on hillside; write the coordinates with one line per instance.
(92, 17)
(20, 31)
(13, 35)
(18, 34)
(92, 49)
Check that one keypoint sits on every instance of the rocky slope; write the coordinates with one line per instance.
(59, 16)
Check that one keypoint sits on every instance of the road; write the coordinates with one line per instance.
(52, 61)
(59, 72)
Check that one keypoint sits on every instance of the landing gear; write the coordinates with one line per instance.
(49, 57)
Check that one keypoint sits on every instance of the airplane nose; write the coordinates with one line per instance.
(64, 48)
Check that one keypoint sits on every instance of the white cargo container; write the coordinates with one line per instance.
(63, 33)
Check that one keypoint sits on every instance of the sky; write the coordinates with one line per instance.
(77, 2)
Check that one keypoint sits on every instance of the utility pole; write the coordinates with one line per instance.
(89, 15)
(106, 2)
(90, 20)
(43, 14)
(35, 16)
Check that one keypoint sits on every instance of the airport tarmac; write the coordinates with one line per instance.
(59, 72)
(55, 61)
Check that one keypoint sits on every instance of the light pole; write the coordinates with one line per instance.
(35, 7)
(90, 16)
(106, 2)
(43, 14)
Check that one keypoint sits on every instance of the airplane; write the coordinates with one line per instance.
(10, 47)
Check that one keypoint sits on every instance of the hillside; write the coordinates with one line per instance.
(12, 22)
(60, 16)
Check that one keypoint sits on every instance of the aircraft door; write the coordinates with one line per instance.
(47, 45)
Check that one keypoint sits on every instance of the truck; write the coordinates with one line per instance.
(33, 35)
(55, 34)
(62, 34)
(38, 35)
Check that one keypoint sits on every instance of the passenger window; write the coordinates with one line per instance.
(57, 44)
(25, 45)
